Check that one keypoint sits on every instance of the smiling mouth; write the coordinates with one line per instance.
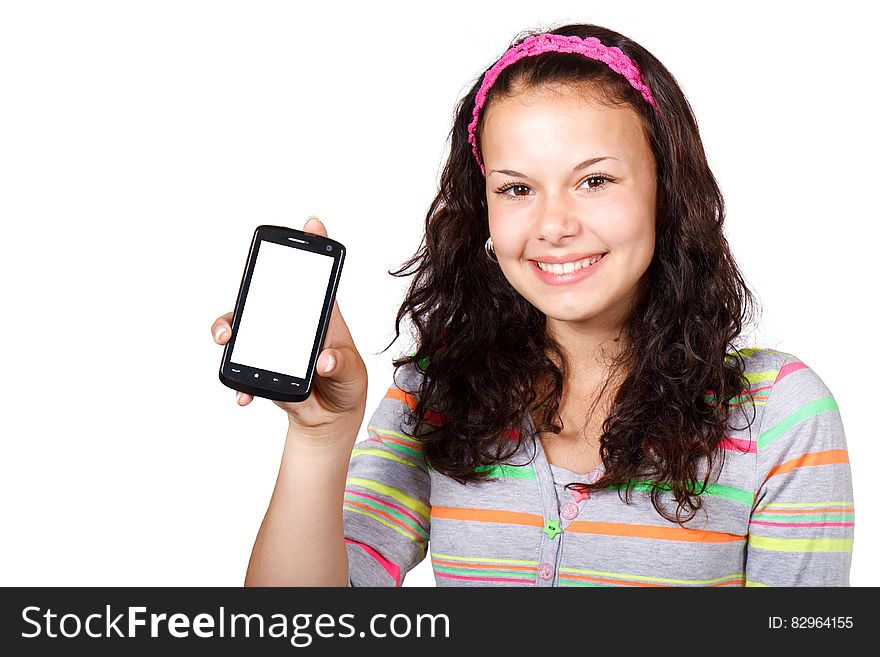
(568, 267)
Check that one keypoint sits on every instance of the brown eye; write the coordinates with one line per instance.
(515, 187)
(600, 178)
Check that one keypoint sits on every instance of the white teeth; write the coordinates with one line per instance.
(568, 267)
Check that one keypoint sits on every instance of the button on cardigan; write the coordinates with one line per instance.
(779, 514)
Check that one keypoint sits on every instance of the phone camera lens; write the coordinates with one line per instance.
(329, 248)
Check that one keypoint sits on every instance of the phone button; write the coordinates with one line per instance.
(256, 375)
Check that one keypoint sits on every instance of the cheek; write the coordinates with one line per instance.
(508, 236)
(628, 228)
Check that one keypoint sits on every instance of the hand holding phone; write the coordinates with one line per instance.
(335, 396)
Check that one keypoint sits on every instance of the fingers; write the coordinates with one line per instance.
(221, 329)
(340, 365)
(315, 227)
(243, 399)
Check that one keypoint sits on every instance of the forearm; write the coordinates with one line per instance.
(301, 542)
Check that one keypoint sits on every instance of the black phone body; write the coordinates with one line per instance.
(282, 313)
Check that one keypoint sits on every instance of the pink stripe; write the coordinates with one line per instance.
(788, 369)
(391, 568)
(484, 579)
(739, 445)
(803, 524)
(384, 503)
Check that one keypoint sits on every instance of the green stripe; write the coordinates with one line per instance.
(740, 495)
(484, 573)
(575, 582)
(801, 544)
(409, 451)
(739, 400)
(409, 522)
(507, 471)
(413, 444)
(808, 410)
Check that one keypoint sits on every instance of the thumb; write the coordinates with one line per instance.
(315, 226)
(341, 365)
(328, 362)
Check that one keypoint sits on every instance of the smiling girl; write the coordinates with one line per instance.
(577, 412)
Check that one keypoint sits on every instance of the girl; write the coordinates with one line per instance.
(576, 413)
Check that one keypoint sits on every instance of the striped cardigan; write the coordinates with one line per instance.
(779, 514)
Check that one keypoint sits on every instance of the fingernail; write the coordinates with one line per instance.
(331, 363)
(238, 398)
(219, 332)
(309, 220)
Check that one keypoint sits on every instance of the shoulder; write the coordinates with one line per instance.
(782, 375)
(799, 410)
(408, 378)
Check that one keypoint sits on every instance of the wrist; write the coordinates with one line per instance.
(331, 438)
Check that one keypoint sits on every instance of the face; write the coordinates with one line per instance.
(567, 177)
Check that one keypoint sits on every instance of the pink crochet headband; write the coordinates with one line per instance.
(590, 47)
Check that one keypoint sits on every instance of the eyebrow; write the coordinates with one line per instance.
(582, 165)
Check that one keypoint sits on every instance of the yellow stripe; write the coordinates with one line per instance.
(758, 377)
(640, 578)
(383, 455)
(751, 582)
(801, 544)
(406, 500)
(452, 557)
(383, 521)
(802, 505)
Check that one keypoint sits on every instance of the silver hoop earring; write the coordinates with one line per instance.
(490, 249)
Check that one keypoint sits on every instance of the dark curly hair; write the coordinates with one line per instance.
(486, 354)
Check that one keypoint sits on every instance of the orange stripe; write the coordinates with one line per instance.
(487, 515)
(384, 515)
(388, 439)
(652, 531)
(791, 512)
(464, 564)
(405, 397)
(814, 458)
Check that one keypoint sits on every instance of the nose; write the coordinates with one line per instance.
(558, 218)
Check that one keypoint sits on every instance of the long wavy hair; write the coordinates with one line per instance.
(485, 353)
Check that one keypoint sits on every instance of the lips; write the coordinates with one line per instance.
(571, 257)
(569, 278)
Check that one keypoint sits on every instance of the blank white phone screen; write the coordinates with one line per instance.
(280, 317)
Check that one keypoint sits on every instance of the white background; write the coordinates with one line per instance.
(142, 142)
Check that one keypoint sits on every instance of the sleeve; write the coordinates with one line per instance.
(801, 525)
(386, 512)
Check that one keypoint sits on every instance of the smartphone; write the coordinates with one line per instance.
(281, 313)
